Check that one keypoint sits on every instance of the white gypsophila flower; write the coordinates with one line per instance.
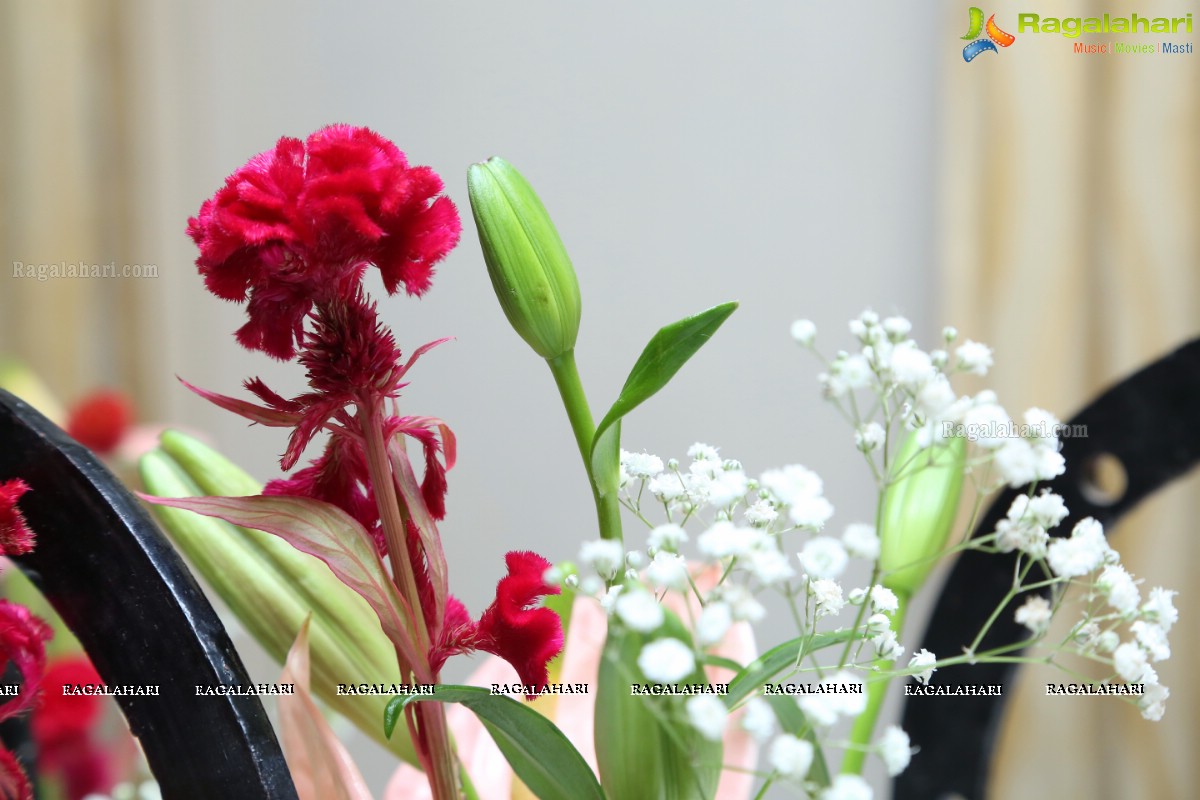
(571, 581)
(666, 661)
(761, 513)
(828, 596)
(1050, 463)
(897, 327)
(554, 575)
(884, 599)
(1034, 614)
(810, 513)
(818, 709)
(939, 358)
(641, 465)
(727, 487)
(804, 332)
(792, 481)
(923, 660)
(604, 556)
(708, 715)
(609, 601)
(1021, 534)
(848, 787)
(895, 748)
(1107, 642)
(857, 596)
(878, 623)
(703, 452)
(1153, 701)
(1129, 661)
(887, 646)
(832, 386)
(1083, 552)
(1160, 609)
(860, 541)
(759, 719)
(1117, 585)
(935, 397)
(791, 756)
(724, 539)
(1046, 509)
(949, 333)
(988, 424)
(668, 571)
(854, 371)
(823, 557)
(640, 611)
(713, 624)
(911, 366)
(623, 477)
(870, 437)
(858, 329)
(1152, 637)
(1086, 634)
(590, 585)
(666, 537)
(850, 699)
(744, 606)
(974, 357)
(1017, 462)
(769, 566)
(634, 559)
(1042, 427)
(667, 486)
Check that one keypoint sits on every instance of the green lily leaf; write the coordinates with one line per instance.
(776, 660)
(540, 755)
(667, 351)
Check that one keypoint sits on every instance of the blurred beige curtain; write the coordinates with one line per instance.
(66, 193)
(1070, 192)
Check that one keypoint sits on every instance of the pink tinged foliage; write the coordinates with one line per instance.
(15, 536)
(302, 222)
(320, 765)
(330, 534)
(511, 628)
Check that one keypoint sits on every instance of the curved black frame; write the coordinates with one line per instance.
(1151, 423)
(122, 589)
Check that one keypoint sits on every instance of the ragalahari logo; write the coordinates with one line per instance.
(987, 44)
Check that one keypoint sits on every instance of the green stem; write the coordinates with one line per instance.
(864, 725)
(570, 388)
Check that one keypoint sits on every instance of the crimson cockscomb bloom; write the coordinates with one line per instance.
(305, 220)
(15, 536)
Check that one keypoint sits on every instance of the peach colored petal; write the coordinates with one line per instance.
(321, 768)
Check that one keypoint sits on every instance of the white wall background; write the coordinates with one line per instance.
(779, 154)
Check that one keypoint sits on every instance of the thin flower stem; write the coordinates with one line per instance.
(864, 724)
(570, 388)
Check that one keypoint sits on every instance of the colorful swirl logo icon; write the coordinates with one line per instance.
(976, 27)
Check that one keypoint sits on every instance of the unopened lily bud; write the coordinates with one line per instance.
(528, 265)
(919, 508)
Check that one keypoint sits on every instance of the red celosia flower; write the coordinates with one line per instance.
(23, 642)
(63, 725)
(303, 221)
(524, 636)
(99, 420)
(15, 536)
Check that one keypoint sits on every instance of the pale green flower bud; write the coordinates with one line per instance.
(919, 508)
(529, 266)
(271, 586)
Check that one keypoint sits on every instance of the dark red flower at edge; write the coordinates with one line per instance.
(525, 636)
(15, 536)
(303, 221)
(63, 728)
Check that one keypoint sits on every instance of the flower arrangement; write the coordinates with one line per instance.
(338, 567)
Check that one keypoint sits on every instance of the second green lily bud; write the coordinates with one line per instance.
(528, 265)
(919, 508)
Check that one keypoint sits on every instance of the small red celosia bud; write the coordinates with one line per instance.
(99, 420)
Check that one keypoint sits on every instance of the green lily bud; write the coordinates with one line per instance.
(529, 266)
(919, 508)
(642, 753)
(272, 587)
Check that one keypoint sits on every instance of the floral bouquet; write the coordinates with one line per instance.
(623, 666)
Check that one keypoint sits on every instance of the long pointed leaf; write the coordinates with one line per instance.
(540, 755)
(431, 540)
(325, 531)
(251, 411)
(778, 659)
(667, 351)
